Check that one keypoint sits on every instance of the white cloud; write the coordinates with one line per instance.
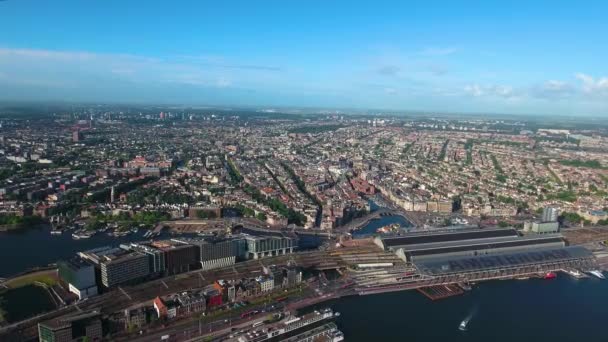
(80, 67)
(477, 90)
(553, 90)
(592, 86)
(474, 89)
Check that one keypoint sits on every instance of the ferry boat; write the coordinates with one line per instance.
(463, 324)
(56, 232)
(550, 275)
(597, 273)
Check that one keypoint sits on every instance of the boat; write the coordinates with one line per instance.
(56, 232)
(574, 273)
(463, 324)
(550, 275)
(597, 273)
(465, 286)
(391, 228)
(522, 278)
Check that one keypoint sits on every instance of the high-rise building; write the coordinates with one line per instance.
(79, 275)
(123, 267)
(549, 214)
(156, 257)
(117, 265)
(179, 257)
(76, 136)
(81, 327)
(265, 246)
(218, 253)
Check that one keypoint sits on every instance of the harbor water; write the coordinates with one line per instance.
(24, 249)
(562, 309)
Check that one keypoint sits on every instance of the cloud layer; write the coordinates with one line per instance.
(426, 79)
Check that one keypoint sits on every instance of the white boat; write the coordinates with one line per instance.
(597, 273)
(575, 273)
(463, 324)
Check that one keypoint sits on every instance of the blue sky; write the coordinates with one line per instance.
(537, 57)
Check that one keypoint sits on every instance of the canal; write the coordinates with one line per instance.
(373, 225)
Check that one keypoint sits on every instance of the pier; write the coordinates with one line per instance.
(441, 291)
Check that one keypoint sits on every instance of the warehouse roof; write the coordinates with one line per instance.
(447, 265)
(481, 246)
(420, 238)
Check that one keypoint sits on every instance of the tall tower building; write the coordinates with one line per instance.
(549, 214)
(76, 136)
(112, 195)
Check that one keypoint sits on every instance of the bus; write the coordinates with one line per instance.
(255, 325)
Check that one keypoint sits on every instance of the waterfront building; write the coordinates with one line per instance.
(79, 275)
(122, 266)
(179, 257)
(415, 247)
(218, 253)
(81, 327)
(117, 265)
(264, 246)
(156, 257)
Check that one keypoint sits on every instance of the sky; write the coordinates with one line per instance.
(521, 57)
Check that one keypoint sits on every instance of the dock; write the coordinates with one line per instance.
(441, 291)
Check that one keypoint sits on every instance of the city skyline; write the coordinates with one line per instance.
(461, 57)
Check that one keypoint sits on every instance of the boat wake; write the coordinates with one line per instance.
(465, 322)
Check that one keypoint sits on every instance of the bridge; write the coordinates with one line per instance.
(362, 221)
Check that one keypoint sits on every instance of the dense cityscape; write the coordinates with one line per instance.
(303, 171)
(237, 218)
